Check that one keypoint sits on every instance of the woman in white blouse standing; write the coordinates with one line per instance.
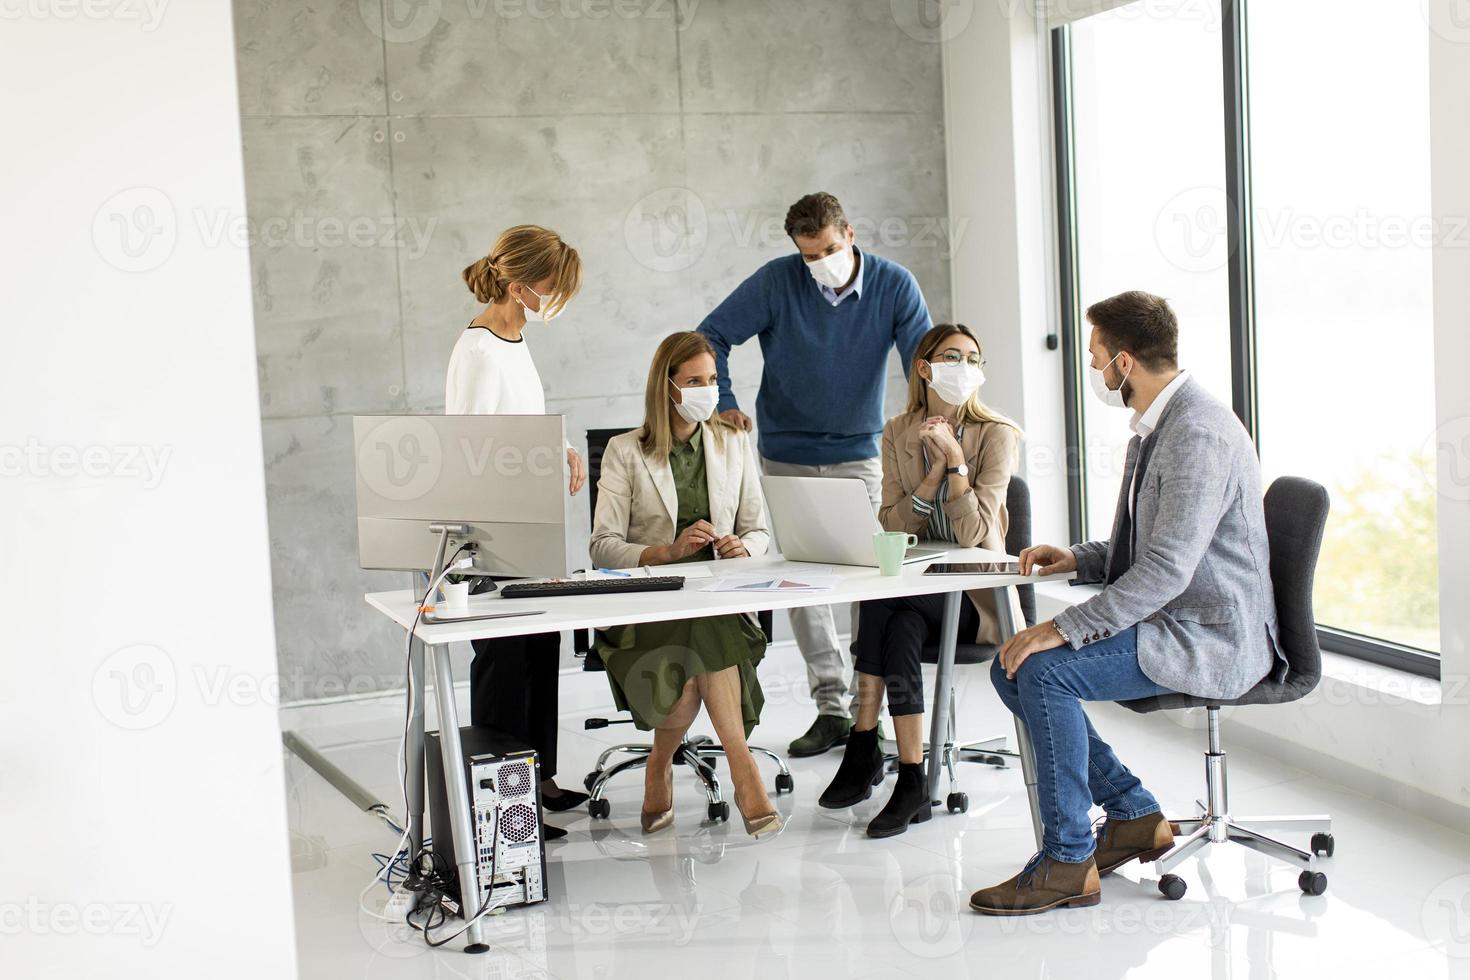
(530, 274)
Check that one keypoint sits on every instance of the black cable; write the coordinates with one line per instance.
(436, 884)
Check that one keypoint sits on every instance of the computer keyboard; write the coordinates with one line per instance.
(596, 586)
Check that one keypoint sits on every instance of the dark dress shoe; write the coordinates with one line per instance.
(909, 803)
(565, 800)
(552, 832)
(827, 731)
(861, 769)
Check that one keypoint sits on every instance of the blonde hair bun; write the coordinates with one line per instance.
(527, 254)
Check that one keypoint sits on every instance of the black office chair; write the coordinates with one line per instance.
(698, 752)
(986, 751)
(1296, 514)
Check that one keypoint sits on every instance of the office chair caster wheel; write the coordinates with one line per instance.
(719, 812)
(784, 782)
(589, 779)
(1312, 882)
(1322, 845)
(599, 809)
(958, 802)
(1172, 887)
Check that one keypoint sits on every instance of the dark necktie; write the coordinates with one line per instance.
(1122, 558)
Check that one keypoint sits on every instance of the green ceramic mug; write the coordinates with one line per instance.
(890, 547)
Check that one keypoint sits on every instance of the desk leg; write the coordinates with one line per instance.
(1008, 616)
(943, 679)
(413, 755)
(466, 848)
(1028, 773)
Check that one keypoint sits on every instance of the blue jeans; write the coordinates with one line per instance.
(1074, 766)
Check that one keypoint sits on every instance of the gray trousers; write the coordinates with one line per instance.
(814, 626)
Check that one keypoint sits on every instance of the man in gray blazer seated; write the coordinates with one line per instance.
(1186, 605)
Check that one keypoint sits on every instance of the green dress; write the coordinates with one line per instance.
(648, 664)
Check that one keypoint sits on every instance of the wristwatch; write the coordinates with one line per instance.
(960, 470)
(1061, 632)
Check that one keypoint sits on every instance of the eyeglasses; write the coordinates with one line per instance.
(955, 357)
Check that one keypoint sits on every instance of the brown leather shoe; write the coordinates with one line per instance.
(1145, 838)
(1043, 884)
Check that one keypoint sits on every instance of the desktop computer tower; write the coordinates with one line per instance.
(504, 780)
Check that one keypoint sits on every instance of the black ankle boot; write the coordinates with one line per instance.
(860, 771)
(908, 804)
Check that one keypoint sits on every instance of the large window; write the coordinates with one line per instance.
(1343, 283)
(1273, 182)
(1146, 156)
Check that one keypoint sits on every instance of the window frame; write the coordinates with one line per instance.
(1241, 278)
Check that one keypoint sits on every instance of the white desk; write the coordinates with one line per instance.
(854, 584)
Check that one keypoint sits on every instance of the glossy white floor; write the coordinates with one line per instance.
(822, 899)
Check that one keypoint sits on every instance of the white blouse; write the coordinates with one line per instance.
(489, 375)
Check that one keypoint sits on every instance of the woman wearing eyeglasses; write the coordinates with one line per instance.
(946, 464)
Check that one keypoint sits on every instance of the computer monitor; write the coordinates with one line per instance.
(502, 477)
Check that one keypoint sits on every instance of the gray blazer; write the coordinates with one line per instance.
(1199, 588)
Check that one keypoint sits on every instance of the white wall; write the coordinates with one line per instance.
(1383, 732)
(141, 789)
(1000, 186)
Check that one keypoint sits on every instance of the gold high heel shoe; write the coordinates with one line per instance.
(654, 822)
(763, 826)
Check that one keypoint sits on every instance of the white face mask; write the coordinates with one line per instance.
(538, 315)
(1111, 397)
(955, 383)
(698, 402)
(832, 270)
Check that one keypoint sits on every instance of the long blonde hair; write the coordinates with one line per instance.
(973, 410)
(656, 437)
(526, 254)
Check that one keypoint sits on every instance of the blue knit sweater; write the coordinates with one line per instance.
(822, 388)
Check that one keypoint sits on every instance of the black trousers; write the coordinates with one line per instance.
(513, 687)
(892, 633)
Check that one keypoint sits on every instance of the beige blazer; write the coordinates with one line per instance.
(637, 503)
(979, 519)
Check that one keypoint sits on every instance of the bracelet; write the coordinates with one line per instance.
(1061, 632)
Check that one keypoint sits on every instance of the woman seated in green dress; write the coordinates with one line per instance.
(684, 487)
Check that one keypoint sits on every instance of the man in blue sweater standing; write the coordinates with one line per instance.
(826, 318)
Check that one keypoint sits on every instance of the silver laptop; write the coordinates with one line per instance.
(827, 520)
